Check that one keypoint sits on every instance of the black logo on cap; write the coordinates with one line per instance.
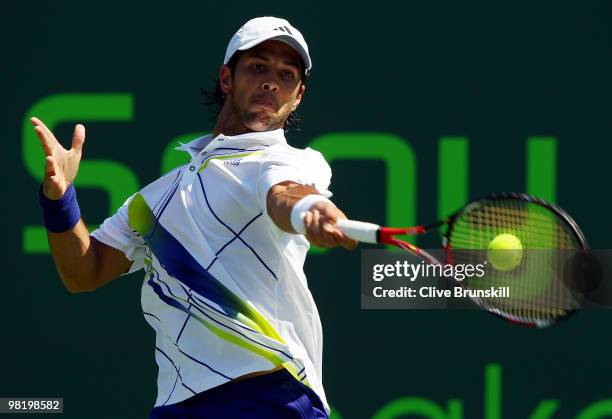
(283, 29)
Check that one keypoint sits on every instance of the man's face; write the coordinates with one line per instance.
(265, 87)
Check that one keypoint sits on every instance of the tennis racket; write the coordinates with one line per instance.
(539, 295)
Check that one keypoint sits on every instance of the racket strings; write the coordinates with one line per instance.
(536, 289)
(540, 227)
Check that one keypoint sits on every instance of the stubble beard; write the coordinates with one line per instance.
(249, 119)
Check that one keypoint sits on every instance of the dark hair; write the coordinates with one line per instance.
(213, 99)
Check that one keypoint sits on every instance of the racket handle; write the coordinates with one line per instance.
(359, 230)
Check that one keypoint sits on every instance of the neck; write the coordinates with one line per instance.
(228, 123)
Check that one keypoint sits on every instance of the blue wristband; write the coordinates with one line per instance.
(62, 214)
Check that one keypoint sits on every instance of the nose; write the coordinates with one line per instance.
(270, 85)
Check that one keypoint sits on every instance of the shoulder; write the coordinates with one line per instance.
(163, 182)
(300, 156)
(306, 166)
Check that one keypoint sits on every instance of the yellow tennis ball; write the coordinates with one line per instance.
(505, 252)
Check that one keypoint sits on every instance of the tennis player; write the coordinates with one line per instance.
(222, 241)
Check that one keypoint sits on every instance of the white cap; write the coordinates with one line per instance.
(261, 29)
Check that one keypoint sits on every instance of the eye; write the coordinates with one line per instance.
(258, 68)
(288, 74)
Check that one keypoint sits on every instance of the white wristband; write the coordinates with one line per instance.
(301, 207)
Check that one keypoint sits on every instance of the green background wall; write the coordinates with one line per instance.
(494, 75)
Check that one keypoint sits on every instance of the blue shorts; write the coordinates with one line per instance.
(269, 396)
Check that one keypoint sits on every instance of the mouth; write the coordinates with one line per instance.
(265, 103)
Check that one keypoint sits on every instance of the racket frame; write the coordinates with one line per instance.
(386, 235)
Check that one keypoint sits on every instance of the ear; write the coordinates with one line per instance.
(225, 79)
(298, 97)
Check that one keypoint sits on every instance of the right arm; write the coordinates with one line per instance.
(319, 221)
(82, 262)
